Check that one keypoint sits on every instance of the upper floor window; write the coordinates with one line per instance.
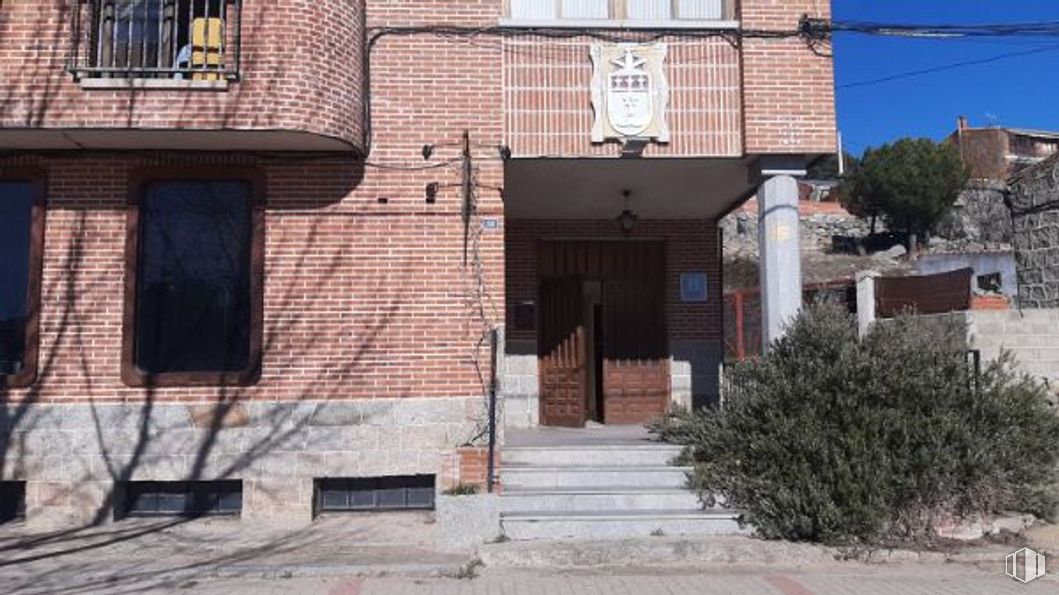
(160, 39)
(21, 249)
(194, 301)
(629, 12)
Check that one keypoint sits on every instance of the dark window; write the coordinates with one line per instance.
(375, 493)
(12, 501)
(180, 498)
(21, 233)
(991, 282)
(196, 314)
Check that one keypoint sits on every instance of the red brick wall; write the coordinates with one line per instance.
(362, 299)
(301, 67)
(984, 151)
(704, 115)
(691, 246)
(788, 92)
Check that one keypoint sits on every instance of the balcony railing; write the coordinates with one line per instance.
(627, 11)
(196, 40)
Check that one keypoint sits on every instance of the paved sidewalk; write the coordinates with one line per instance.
(397, 555)
(141, 555)
(848, 580)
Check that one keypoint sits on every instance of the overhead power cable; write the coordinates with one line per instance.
(1041, 29)
(951, 66)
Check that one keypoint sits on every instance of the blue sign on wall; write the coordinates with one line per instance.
(693, 287)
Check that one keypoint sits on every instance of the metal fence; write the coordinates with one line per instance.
(177, 39)
(926, 294)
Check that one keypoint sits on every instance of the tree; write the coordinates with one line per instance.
(911, 183)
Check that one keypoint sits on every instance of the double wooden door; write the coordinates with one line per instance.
(631, 349)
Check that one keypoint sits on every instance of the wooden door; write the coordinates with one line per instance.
(561, 353)
(636, 382)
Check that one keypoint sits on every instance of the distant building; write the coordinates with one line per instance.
(998, 153)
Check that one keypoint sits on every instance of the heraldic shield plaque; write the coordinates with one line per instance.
(630, 93)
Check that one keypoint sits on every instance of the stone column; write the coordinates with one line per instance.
(781, 259)
(865, 300)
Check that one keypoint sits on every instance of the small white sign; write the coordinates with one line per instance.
(693, 288)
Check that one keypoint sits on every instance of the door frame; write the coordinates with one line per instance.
(588, 396)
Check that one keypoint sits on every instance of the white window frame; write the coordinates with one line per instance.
(618, 18)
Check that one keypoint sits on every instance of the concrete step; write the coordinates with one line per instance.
(648, 454)
(597, 499)
(515, 477)
(611, 525)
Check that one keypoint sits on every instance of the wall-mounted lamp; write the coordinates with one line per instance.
(432, 192)
(428, 151)
(505, 152)
(633, 148)
(627, 219)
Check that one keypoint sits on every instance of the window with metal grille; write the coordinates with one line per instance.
(196, 251)
(406, 492)
(12, 501)
(180, 498)
(620, 10)
(180, 39)
(21, 246)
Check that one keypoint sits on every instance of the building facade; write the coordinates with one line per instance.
(997, 153)
(255, 251)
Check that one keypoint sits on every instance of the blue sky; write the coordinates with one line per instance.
(1019, 91)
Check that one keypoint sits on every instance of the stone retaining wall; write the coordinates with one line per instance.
(71, 455)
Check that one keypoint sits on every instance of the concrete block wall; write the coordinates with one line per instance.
(1031, 335)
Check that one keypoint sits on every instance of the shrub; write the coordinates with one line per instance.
(840, 440)
(462, 489)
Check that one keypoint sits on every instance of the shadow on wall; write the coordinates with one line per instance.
(130, 441)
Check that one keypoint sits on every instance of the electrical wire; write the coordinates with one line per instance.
(428, 166)
(1040, 29)
(952, 66)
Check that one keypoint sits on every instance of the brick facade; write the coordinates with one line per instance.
(280, 90)
(788, 90)
(373, 361)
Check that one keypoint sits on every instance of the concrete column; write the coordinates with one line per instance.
(781, 259)
(865, 300)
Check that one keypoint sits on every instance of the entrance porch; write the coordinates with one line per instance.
(613, 287)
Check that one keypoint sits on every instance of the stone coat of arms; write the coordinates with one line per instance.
(630, 93)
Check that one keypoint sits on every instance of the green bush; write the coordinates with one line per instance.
(846, 441)
(461, 489)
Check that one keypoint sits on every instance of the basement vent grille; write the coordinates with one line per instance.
(12, 501)
(180, 498)
(407, 492)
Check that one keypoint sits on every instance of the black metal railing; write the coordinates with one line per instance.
(162, 39)
(974, 369)
(494, 340)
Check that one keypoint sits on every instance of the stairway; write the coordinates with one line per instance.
(602, 490)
